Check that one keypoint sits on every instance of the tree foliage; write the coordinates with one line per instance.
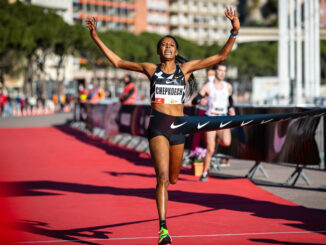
(28, 29)
(255, 59)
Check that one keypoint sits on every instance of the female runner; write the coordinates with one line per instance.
(168, 92)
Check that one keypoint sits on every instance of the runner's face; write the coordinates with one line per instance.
(168, 49)
(210, 75)
(220, 73)
(125, 79)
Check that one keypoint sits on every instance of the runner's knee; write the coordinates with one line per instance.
(163, 179)
(173, 180)
(225, 142)
(210, 150)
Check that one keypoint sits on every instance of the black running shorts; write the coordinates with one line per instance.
(159, 125)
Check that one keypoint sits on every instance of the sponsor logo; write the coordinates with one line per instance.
(159, 100)
(245, 123)
(262, 122)
(200, 126)
(222, 125)
(177, 126)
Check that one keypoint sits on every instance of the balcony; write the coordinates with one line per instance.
(159, 6)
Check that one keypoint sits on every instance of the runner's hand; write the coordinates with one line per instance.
(233, 17)
(91, 24)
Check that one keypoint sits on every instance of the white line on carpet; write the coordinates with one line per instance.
(181, 236)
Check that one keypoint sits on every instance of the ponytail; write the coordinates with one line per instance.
(192, 83)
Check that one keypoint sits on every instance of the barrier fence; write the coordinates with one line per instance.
(297, 141)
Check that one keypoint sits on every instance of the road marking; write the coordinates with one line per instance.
(180, 236)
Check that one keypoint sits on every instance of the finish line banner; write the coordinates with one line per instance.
(274, 138)
(287, 141)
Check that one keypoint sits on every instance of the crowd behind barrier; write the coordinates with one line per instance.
(297, 141)
(15, 103)
(22, 105)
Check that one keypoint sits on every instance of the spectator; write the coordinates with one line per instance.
(55, 100)
(128, 96)
(5, 105)
(101, 93)
(82, 93)
(92, 96)
(32, 102)
(2, 101)
(62, 101)
(22, 103)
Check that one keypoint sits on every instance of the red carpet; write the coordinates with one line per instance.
(59, 186)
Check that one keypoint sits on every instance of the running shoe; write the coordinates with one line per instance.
(203, 178)
(164, 237)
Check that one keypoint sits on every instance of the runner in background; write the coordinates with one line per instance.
(219, 103)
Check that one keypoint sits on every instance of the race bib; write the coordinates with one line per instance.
(168, 94)
(219, 108)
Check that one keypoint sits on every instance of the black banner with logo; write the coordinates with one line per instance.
(289, 141)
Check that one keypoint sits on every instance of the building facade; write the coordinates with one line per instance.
(322, 8)
(152, 16)
(200, 21)
(110, 14)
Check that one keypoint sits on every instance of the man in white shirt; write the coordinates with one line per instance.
(219, 103)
